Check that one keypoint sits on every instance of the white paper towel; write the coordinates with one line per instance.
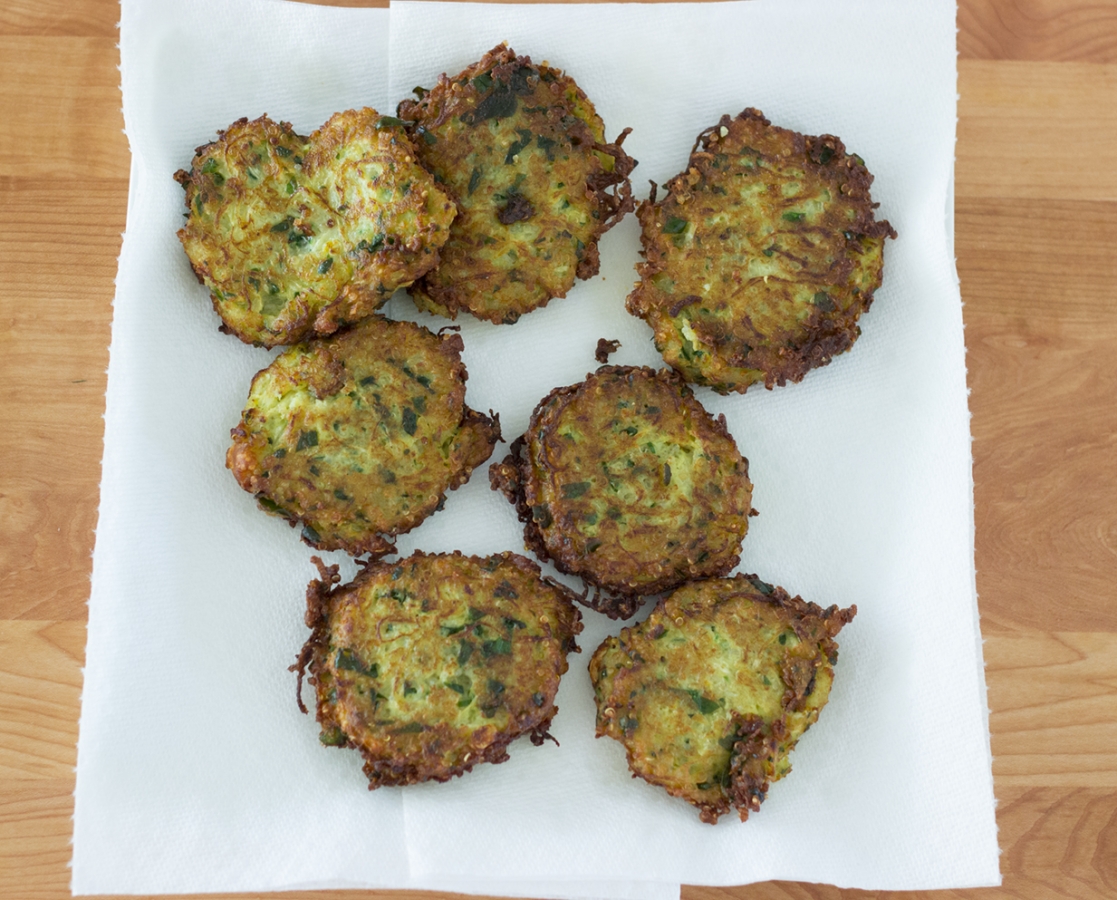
(195, 770)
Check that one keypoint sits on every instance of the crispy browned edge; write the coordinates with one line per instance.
(326, 321)
(605, 349)
(320, 594)
(756, 740)
(375, 545)
(511, 475)
(613, 206)
(831, 336)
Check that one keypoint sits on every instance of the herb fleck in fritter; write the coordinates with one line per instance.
(625, 480)
(762, 256)
(710, 694)
(523, 152)
(432, 664)
(361, 434)
(296, 237)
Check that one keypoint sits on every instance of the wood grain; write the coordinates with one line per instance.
(1041, 333)
(1036, 238)
(1036, 130)
(61, 105)
(40, 686)
(1048, 30)
(48, 486)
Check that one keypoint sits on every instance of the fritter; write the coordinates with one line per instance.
(762, 256)
(435, 663)
(296, 237)
(522, 150)
(625, 480)
(710, 694)
(361, 434)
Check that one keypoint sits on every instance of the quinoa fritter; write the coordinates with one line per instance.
(361, 434)
(625, 480)
(296, 237)
(710, 694)
(432, 664)
(522, 150)
(762, 256)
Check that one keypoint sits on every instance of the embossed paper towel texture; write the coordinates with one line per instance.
(195, 770)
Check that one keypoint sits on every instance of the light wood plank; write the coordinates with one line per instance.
(1035, 130)
(40, 690)
(1080, 31)
(89, 18)
(1054, 701)
(60, 104)
(59, 240)
(1041, 333)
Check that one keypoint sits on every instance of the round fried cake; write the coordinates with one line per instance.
(361, 434)
(625, 480)
(761, 257)
(295, 236)
(435, 663)
(710, 694)
(523, 152)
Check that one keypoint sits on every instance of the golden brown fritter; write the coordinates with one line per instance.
(296, 237)
(523, 152)
(762, 256)
(710, 694)
(435, 663)
(625, 480)
(361, 434)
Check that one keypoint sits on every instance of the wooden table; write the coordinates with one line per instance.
(1036, 208)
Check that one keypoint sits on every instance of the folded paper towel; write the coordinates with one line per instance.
(195, 770)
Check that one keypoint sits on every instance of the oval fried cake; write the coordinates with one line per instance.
(296, 237)
(710, 694)
(625, 480)
(523, 152)
(761, 257)
(435, 663)
(360, 435)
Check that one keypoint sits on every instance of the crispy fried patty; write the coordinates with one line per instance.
(523, 152)
(710, 694)
(432, 664)
(361, 434)
(625, 480)
(762, 256)
(298, 236)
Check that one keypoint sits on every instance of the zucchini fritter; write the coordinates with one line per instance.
(625, 480)
(361, 434)
(523, 152)
(299, 236)
(435, 663)
(710, 694)
(761, 257)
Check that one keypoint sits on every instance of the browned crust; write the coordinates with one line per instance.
(787, 356)
(322, 596)
(478, 435)
(611, 191)
(513, 477)
(756, 741)
(377, 273)
(605, 349)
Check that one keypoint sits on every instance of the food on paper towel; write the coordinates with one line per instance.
(625, 480)
(435, 663)
(710, 694)
(361, 434)
(761, 257)
(522, 150)
(297, 237)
